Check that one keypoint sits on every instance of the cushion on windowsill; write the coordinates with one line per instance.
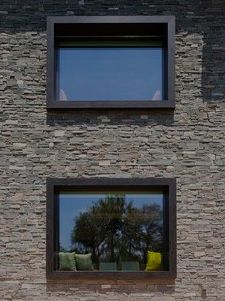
(84, 262)
(67, 261)
(154, 261)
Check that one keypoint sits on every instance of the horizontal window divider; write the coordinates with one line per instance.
(109, 37)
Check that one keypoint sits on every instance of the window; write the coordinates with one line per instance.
(111, 62)
(111, 228)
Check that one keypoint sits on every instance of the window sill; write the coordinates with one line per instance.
(65, 105)
(54, 275)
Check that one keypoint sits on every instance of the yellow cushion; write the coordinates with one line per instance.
(154, 261)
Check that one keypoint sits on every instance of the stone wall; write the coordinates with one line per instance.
(187, 144)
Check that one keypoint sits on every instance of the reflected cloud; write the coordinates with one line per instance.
(157, 95)
(62, 95)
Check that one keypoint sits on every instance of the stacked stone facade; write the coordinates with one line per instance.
(188, 144)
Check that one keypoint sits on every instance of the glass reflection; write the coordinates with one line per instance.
(110, 73)
(118, 230)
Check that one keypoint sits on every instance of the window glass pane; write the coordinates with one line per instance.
(117, 229)
(104, 73)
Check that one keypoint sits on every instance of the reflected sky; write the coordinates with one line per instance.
(71, 205)
(110, 73)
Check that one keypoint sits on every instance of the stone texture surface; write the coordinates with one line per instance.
(188, 144)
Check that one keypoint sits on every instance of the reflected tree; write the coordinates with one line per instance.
(113, 229)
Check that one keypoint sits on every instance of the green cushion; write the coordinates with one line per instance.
(67, 261)
(154, 261)
(84, 262)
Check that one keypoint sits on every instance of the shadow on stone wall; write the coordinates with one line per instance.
(213, 62)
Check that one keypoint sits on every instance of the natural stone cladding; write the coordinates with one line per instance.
(188, 144)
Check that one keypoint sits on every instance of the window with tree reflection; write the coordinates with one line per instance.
(111, 231)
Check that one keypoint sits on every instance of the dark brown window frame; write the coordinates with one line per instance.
(63, 26)
(54, 185)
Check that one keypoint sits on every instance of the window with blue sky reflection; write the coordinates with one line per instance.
(102, 73)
